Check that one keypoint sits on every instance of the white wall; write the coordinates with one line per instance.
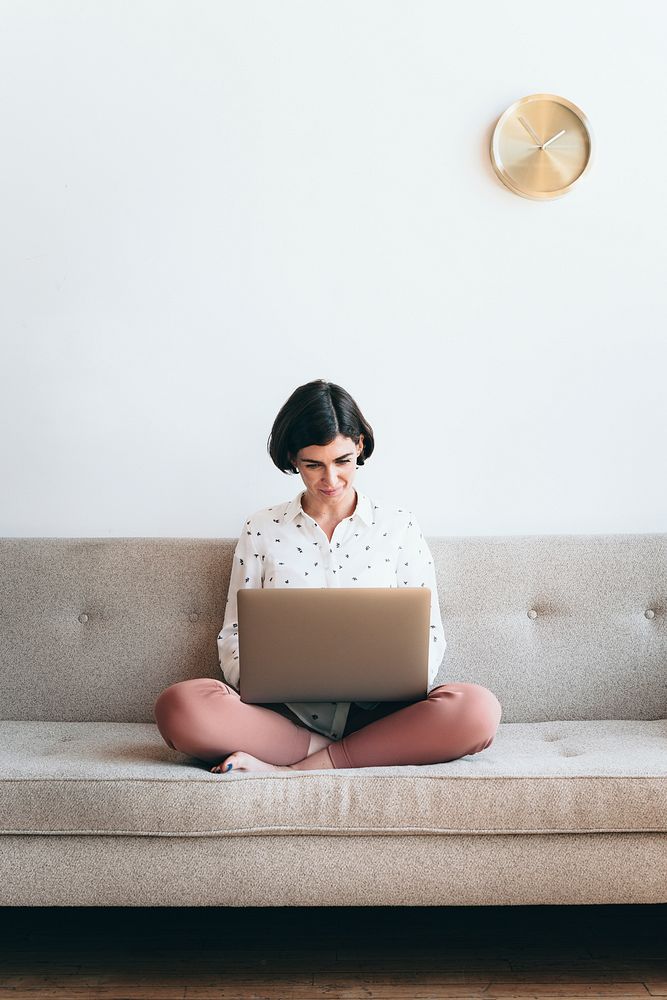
(206, 204)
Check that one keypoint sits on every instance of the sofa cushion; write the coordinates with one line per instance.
(557, 626)
(537, 777)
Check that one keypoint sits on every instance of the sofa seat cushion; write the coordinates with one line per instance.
(537, 777)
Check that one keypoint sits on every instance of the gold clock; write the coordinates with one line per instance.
(541, 146)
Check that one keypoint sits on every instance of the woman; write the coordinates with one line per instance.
(329, 535)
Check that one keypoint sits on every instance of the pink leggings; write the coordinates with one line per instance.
(205, 718)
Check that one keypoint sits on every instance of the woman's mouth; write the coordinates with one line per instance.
(330, 493)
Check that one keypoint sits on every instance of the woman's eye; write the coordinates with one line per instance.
(343, 461)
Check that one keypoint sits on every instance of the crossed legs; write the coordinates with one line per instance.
(205, 718)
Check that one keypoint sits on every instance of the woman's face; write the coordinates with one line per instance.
(328, 471)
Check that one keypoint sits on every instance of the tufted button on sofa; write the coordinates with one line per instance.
(568, 805)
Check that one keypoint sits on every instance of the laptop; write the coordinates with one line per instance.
(333, 643)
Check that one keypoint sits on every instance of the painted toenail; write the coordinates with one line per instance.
(229, 767)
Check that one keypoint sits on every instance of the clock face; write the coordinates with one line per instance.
(541, 146)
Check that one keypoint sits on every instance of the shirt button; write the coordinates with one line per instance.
(649, 613)
(532, 613)
(83, 618)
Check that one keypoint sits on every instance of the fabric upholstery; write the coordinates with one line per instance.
(544, 777)
(94, 629)
(568, 805)
(387, 870)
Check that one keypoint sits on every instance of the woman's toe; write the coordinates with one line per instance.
(226, 765)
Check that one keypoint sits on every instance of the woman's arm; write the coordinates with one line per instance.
(415, 569)
(247, 571)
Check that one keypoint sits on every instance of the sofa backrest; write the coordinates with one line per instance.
(557, 626)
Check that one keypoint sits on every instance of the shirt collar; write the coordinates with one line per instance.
(363, 510)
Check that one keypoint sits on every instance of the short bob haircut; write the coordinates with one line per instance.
(316, 413)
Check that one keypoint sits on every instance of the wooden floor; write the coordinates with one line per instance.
(303, 953)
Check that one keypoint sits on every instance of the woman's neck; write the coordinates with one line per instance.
(331, 515)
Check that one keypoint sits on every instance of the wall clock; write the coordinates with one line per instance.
(541, 146)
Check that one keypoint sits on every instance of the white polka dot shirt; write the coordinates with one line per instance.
(376, 546)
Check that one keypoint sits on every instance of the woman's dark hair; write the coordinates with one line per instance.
(316, 413)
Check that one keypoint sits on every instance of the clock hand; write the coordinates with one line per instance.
(529, 130)
(553, 138)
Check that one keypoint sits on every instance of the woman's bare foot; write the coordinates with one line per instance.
(242, 761)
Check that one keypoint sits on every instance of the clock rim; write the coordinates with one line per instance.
(496, 160)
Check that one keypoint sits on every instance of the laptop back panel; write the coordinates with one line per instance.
(333, 643)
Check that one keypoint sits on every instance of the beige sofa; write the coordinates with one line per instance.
(569, 804)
